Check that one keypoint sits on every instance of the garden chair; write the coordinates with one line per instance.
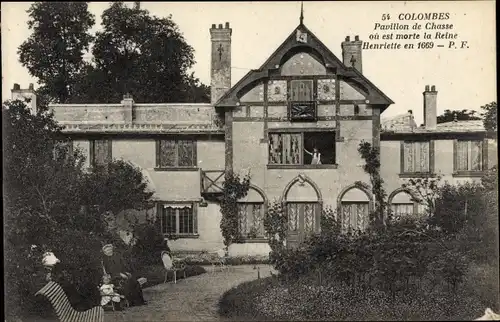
(63, 309)
(171, 266)
(218, 258)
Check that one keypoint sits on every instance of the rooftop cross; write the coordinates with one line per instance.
(301, 12)
(353, 60)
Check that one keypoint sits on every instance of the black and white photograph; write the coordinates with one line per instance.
(250, 161)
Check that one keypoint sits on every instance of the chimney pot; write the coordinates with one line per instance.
(17, 86)
(213, 26)
(220, 69)
(352, 53)
(356, 38)
(410, 111)
(31, 87)
(430, 108)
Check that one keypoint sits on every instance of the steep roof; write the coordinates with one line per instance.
(331, 62)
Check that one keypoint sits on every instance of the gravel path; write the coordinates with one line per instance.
(193, 299)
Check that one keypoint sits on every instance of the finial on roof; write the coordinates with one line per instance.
(301, 12)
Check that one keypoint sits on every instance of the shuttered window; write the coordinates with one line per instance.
(176, 153)
(251, 219)
(355, 215)
(416, 157)
(468, 155)
(100, 152)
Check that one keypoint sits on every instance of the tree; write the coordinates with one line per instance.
(143, 55)
(463, 115)
(116, 187)
(54, 51)
(490, 116)
(48, 205)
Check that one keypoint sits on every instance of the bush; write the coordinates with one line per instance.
(304, 299)
(51, 203)
(205, 258)
(149, 244)
(458, 206)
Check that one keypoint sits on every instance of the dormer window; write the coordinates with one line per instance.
(301, 105)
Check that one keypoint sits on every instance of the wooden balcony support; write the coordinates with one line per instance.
(211, 183)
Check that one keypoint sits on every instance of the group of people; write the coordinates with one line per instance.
(118, 282)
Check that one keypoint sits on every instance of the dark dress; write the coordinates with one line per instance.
(129, 287)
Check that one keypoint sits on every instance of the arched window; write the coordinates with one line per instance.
(402, 204)
(354, 209)
(251, 211)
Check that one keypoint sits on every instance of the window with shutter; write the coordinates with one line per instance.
(251, 219)
(100, 152)
(354, 215)
(302, 105)
(416, 157)
(311, 149)
(176, 154)
(468, 156)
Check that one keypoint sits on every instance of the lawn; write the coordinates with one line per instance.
(306, 299)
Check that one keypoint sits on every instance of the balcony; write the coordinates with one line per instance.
(302, 111)
(211, 183)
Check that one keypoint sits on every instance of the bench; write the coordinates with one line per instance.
(64, 311)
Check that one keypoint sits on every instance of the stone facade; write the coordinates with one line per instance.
(263, 134)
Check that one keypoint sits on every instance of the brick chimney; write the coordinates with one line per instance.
(27, 95)
(351, 53)
(220, 69)
(430, 107)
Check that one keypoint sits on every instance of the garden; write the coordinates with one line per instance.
(54, 203)
(442, 265)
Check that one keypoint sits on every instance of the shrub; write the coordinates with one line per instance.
(458, 206)
(149, 244)
(51, 203)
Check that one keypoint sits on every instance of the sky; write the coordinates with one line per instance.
(464, 78)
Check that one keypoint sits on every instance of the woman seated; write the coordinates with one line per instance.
(58, 272)
(121, 277)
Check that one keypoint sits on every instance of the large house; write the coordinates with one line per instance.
(301, 100)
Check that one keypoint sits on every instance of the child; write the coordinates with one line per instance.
(316, 156)
(108, 293)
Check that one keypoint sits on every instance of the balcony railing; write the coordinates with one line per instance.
(211, 182)
(302, 111)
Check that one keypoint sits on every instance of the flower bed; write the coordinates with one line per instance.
(205, 258)
(305, 299)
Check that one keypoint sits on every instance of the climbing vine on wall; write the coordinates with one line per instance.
(234, 188)
(275, 225)
(371, 155)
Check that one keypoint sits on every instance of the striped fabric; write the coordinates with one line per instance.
(65, 312)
